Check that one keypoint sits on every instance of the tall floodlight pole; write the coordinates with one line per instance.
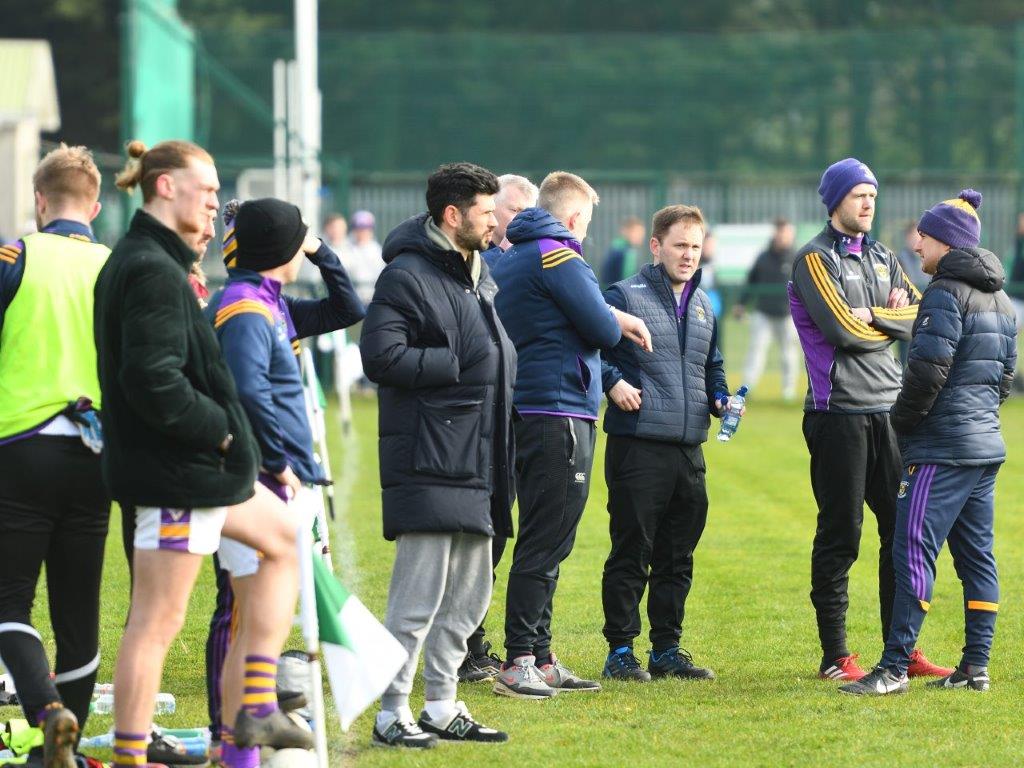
(307, 61)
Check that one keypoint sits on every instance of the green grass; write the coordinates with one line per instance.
(748, 617)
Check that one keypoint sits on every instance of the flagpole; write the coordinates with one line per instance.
(311, 634)
(315, 416)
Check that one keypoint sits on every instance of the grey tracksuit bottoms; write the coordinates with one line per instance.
(440, 591)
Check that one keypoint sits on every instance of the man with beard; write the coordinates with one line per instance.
(433, 343)
(850, 300)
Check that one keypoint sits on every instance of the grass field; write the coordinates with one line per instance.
(748, 617)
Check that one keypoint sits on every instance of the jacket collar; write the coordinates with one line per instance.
(147, 225)
(656, 277)
(69, 228)
(268, 288)
(836, 238)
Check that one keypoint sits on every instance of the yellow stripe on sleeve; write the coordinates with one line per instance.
(556, 254)
(904, 313)
(913, 288)
(981, 605)
(853, 325)
(241, 307)
(572, 255)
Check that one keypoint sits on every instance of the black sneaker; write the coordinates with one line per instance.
(969, 676)
(461, 727)
(289, 701)
(477, 667)
(165, 749)
(402, 732)
(675, 662)
(878, 682)
(60, 733)
(623, 665)
(275, 730)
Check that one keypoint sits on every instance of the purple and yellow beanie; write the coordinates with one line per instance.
(954, 222)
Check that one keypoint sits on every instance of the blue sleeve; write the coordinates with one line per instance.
(714, 370)
(247, 340)
(12, 268)
(340, 309)
(611, 374)
(937, 332)
(573, 286)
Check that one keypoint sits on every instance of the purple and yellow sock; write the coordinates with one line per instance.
(237, 757)
(129, 749)
(259, 697)
(45, 711)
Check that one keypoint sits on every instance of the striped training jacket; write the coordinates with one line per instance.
(850, 367)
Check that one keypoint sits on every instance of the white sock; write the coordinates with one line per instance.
(386, 717)
(440, 711)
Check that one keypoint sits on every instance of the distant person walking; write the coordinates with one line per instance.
(769, 314)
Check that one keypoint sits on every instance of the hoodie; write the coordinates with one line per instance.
(960, 365)
(550, 304)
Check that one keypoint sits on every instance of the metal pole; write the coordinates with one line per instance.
(311, 634)
(280, 129)
(307, 61)
(294, 136)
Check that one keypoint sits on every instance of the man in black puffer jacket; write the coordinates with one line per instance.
(446, 368)
(959, 370)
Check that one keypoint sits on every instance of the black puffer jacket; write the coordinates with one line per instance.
(960, 365)
(168, 396)
(446, 368)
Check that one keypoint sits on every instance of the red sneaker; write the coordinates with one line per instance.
(921, 667)
(844, 668)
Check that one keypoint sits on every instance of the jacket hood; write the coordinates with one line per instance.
(534, 224)
(977, 267)
(411, 235)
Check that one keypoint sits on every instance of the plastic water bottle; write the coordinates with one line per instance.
(104, 704)
(731, 418)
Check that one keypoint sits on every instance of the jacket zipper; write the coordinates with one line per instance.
(572, 438)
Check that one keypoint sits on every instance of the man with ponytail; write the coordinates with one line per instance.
(959, 370)
(48, 429)
(180, 450)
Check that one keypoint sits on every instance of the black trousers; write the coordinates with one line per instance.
(475, 644)
(554, 456)
(54, 509)
(854, 459)
(657, 507)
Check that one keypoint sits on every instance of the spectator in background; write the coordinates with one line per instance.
(363, 260)
(770, 310)
(910, 262)
(707, 266)
(335, 234)
(1017, 275)
(1016, 287)
(517, 193)
(623, 257)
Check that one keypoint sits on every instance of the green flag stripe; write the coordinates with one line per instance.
(330, 597)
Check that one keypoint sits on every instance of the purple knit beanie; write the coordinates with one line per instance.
(954, 222)
(839, 178)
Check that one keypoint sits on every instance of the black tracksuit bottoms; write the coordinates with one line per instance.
(54, 509)
(554, 456)
(854, 459)
(657, 507)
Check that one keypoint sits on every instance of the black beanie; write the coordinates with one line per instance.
(269, 232)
